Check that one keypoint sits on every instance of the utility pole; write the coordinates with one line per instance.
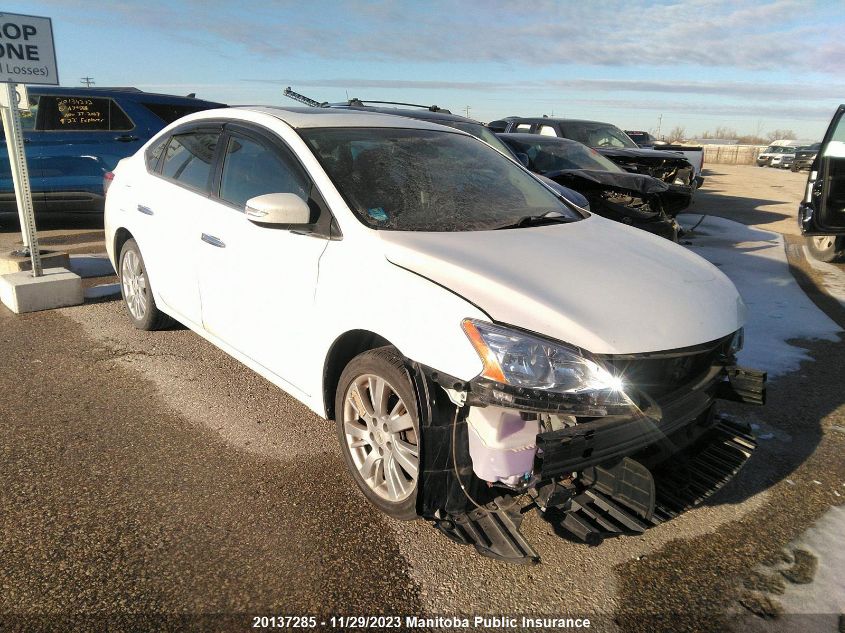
(88, 81)
(467, 111)
(659, 123)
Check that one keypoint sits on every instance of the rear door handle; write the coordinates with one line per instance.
(145, 210)
(214, 241)
(126, 138)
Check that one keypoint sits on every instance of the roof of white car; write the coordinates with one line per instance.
(338, 117)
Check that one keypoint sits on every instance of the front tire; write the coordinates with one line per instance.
(826, 248)
(378, 428)
(135, 290)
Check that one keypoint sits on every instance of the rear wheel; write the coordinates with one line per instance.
(378, 428)
(135, 289)
(826, 248)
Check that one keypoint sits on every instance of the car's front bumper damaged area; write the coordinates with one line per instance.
(489, 454)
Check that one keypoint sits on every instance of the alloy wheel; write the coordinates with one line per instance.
(134, 284)
(824, 242)
(381, 437)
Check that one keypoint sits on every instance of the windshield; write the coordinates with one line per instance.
(554, 156)
(597, 135)
(479, 131)
(638, 137)
(427, 180)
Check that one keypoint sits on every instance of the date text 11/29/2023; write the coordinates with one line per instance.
(391, 622)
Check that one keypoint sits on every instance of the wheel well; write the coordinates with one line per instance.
(343, 350)
(121, 236)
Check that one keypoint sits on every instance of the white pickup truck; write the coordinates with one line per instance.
(694, 154)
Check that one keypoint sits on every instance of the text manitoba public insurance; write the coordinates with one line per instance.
(497, 622)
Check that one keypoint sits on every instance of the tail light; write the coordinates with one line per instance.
(108, 177)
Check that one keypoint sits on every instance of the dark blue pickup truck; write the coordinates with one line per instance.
(73, 136)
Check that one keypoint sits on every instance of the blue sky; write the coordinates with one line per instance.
(750, 66)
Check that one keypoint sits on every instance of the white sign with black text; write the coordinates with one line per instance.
(27, 52)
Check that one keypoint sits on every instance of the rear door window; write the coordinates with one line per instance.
(251, 169)
(189, 157)
(547, 130)
(80, 114)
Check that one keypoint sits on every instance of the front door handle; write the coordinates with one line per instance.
(126, 138)
(214, 241)
(145, 210)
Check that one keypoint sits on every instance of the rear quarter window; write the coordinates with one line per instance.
(154, 153)
(79, 114)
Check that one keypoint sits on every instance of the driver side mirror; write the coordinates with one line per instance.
(278, 209)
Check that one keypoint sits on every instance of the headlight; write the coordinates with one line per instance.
(737, 341)
(516, 359)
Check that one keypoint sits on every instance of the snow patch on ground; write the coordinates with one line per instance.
(778, 310)
(102, 290)
(91, 265)
(815, 605)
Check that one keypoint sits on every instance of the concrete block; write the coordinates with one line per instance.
(11, 263)
(57, 288)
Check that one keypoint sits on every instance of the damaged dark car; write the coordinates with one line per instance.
(670, 167)
(638, 200)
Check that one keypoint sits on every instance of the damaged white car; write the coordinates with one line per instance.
(482, 345)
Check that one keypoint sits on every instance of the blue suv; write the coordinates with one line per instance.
(73, 136)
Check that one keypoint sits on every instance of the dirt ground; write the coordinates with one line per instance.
(149, 473)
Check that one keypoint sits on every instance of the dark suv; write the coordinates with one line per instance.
(804, 157)
(73, 136)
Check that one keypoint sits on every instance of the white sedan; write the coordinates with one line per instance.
(446, 309)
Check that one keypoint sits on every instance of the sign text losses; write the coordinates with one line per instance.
(27, 54)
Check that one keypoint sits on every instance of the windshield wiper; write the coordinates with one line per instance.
(538, 220)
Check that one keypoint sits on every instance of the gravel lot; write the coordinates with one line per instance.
(150, 473)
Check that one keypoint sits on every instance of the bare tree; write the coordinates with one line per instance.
(780, 134)
(677, 134)
(751, 139)
(721, 133)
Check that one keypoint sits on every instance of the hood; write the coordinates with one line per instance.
(641, 154)
(594, 283)
(635, 183)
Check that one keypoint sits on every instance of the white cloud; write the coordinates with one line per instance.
(765, 35)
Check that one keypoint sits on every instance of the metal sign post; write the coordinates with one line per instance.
(20, 175)
(27, 55)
